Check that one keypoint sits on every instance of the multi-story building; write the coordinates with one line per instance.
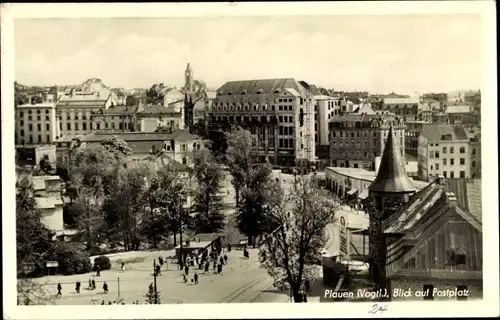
(325, 108)
(278, 112)
(444, 150)
(458, 114)
(464, 96)
(118, 118)
(81, 112)
(178, 145)
(475, 154)
(356, 139)
(406, 108)
(36, 123)
(155, 116)
(412, 133)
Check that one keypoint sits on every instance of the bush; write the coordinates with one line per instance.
(71, 259)
(103, 262)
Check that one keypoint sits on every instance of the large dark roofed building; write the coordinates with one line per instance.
(278, 112)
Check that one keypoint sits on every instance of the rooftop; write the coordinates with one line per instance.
(458, 109)
(158, 110)
(179, 135)
(434, 132)
(262, 86)
(401, 100)
(37, 105)
(468, 194)
(364, 117)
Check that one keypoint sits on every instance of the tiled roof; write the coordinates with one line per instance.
(367, 109)
(121, 110)
(354, 100)
(468, 194)
(267, 86)
(179, 135)
(458, 109)
(362, 117)
(435, 132)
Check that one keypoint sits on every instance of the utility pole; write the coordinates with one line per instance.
(118, 287)
(154, 277)
(181, 258)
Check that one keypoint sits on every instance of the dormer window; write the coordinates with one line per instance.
(244, 92)
(260, 91)
(230, 94)
(277, 91)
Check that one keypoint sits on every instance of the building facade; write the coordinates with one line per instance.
(36, 123)
(413, 130)
(278, 112)
(325, 108)
(155, 116)
(406, 108)
(356, 139)
(444, 150)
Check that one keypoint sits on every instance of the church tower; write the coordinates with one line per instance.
(189, 81)
(390, 190)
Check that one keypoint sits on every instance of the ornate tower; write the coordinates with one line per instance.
(189, 81)
(390, 190)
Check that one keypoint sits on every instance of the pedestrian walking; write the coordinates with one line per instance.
(160, 260)
(221, 260)
(228, 247)
(105, 287)
(158, 270)
(215, 265)
(59, 288)
(195, 278)
(186, 270)
(225, 259)
(102, 303)
(184, 278)
(98, 271)
(206, 266)
(219, 268)
(123, 266)
(93, 284)
(77, 287)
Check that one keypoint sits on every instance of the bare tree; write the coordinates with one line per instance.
(302, 213)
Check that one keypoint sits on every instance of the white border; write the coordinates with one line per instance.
(488, 306)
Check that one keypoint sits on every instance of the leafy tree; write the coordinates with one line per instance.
(302, 213)
(90, 169)
(124, 205)
(116, 146)
(208, 202)
(33, 241)
(166, 197)
(239, 158)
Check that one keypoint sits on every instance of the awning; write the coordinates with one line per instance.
(352, 191)
(364, 194)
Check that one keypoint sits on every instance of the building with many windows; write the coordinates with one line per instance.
(278, 112)
(36, 123)
(155, 116)
(325, 108)
(444, 150)
(356, 139)
(413, 130)
(406, 108)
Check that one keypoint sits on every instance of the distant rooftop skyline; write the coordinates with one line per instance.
(405, 54)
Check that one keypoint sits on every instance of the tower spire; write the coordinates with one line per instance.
(392, 177)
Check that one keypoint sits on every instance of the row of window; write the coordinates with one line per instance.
(287, 131)
(38, 127)
(286, 143)
(21, 113)
(254, 108)
(38, 118)
(31, 140)
(452, 162)
(452, 150)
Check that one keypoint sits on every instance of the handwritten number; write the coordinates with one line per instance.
(378, 309)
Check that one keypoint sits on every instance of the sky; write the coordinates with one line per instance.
(379, 54)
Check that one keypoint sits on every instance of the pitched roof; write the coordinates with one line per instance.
(121, 110)
(434, 132)
(158, 110)
(391, 176)
(468, 194)
(366, 109)
(266, 86)
(179, 135)
(400, 100)
(354, 100)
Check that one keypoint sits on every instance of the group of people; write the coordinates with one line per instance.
(78, 286)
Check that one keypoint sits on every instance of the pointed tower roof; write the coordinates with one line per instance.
(392, 177)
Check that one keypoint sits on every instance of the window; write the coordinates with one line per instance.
(106, 125)
(21, 114)
(21, 122)
(462, 161)
(473, 152)
(84, 126)
(452, 174)
(452, 162)
(38, 118)
(47, 118)
(98, 126)
(437, 166)
(68, 126)
(444, 162)
(184, 160)
(39, 139)
(48, 138)
(30, 127)
(29, 118)
(183, 147)
(436, 155)
(68, 117)
(473, 163)
(334, 134)
(290, 119)
(31, 139)
(452, 150)
(444, 149)
(462, 174)
(281, 131)
(21, 133)
(462, 149)
(444, 174)
(47, 126)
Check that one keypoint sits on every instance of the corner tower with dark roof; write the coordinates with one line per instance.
(390, 190)
(189, 80)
